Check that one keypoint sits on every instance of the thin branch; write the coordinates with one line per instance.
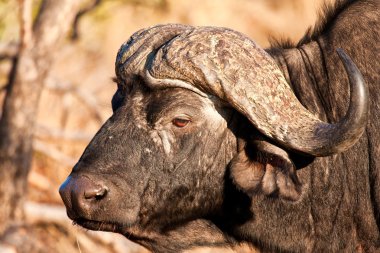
(36, 55)
(8, 50)
(38, 212)
(85, 97)
(3, 88)
(91, 102)
(26, 22)
(45, 132)
(53, 22)
(80, 14)
(53, 153)
(59, 86)
(39, 181)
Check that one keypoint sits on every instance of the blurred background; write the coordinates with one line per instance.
(75, 89)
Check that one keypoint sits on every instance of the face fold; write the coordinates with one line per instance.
(159, 160)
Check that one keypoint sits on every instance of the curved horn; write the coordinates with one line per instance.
(133, 54)
(226, 64)
(347, 131)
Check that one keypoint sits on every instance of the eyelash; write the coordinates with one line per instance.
(180, 122)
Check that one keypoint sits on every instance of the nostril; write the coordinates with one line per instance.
(96, 193)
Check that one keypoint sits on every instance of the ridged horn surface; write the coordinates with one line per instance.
(224, 63)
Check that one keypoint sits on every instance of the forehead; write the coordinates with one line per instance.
(156, 101)
(160, 98)
(164, 93)
(154, 104)
(174, 102)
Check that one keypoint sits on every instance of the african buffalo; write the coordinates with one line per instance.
(215, 141)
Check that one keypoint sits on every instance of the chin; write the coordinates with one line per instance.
(103, 224)
(97, 225)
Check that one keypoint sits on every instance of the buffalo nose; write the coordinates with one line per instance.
(96, 192)
(81, 195)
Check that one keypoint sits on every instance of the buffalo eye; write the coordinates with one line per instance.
(180, 122)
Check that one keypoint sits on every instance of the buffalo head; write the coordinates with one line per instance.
(193, 107)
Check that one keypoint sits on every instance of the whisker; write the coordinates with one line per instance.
(79, 249)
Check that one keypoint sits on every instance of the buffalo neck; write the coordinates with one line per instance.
(305, 69)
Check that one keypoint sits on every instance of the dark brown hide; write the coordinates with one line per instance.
(176, 168)
(145, 177)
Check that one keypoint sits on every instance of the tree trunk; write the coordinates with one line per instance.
(36, 52)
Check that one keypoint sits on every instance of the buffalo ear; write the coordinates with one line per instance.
(262, 167)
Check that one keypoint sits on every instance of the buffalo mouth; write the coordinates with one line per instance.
(129, 230)
(99, 225)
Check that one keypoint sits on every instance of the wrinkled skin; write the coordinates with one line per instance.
(171, 184)
(144, 162)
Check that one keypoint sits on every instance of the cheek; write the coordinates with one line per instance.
(191, 177)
